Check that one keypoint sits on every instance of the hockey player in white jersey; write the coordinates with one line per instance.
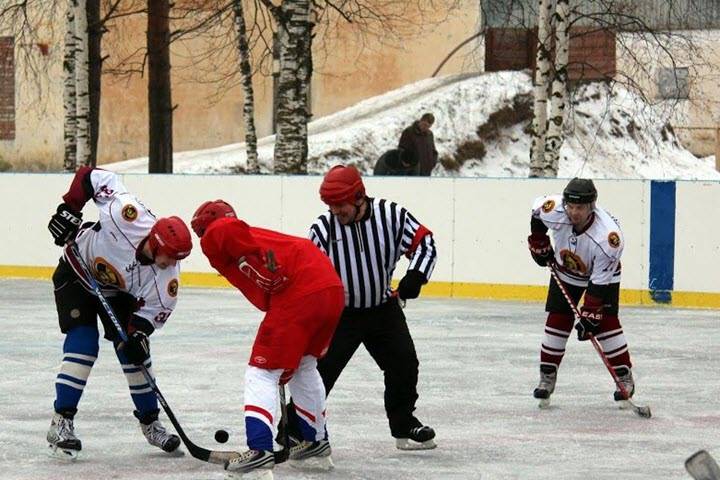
(134, 258)
(588, 244)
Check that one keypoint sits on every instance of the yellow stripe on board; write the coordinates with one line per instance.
(13, 271)
(482, 291)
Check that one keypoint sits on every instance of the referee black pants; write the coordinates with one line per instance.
(384, 332)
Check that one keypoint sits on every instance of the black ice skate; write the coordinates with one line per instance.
(311, 456)
(548, 377)
(61, 438)
(418, 438)
(252, 464)
(626, 379)
(157, 436)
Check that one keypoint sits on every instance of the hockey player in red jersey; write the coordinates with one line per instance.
(296, 285)
(134, 258)
(588, 246)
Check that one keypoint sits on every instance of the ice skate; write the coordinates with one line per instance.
(626, 379)
(418, 438)
(548, 377)
(251, 465)
(157, 436)
(312, 456)
(62, 442)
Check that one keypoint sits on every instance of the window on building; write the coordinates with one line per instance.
(673, 83)
(7, 88)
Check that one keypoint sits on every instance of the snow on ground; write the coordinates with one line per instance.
(478, 367)
(611, 133)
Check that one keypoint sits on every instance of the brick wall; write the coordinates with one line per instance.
(7, 88)
(591, 56)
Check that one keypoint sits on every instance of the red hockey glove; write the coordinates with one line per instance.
(286, 375)
(590, 317)
(540, 248)
(264, 272)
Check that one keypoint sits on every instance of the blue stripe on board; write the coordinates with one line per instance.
(662, 240)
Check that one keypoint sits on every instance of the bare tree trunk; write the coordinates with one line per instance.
(82, 84)
(249, 96)
(294, 34)
(95, 32)
(160, 108)
(541, 87)
(554, 136)
(69, 93)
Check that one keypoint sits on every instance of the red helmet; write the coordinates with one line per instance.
(208, 212)
(342, 184)
(171, 237)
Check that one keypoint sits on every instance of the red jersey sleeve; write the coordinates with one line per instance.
(223, 244)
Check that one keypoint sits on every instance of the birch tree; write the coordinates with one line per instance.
(247, 87)
(69, 91)
(82, 88)
(541, 85)
(76, 98)
(554, 136)
(292, 18)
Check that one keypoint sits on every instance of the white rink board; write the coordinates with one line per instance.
(480, 225)
(697, 237)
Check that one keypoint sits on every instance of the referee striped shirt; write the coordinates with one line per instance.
(365, 252)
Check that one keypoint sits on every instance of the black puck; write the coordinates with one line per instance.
(221, 436)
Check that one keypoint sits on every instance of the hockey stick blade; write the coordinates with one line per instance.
(702, 466)
(643, 411)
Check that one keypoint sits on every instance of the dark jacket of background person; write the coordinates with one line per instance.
(420, 145)
(396, 162)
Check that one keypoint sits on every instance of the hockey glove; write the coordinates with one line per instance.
(264, 272)
(137, 348)
(411, 284)
(64, 224)
(590, 318)
(540, 248)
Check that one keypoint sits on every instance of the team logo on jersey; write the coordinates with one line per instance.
(173, 287)
(129, 213)
(548, 206)
(107, 274)
(614, 239)
(572, 262)
(260, 360)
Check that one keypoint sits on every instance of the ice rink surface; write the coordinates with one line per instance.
(478, 367)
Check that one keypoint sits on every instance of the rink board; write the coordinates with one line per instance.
(480, 226)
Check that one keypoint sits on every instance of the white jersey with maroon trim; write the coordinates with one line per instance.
(109, 247)
(590, 256)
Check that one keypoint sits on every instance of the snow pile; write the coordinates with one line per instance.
(481, 130)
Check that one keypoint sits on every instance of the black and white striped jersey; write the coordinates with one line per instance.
(365, 252)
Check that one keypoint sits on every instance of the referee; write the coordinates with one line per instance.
(364, 238)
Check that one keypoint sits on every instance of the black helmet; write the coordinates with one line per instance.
(580, 190)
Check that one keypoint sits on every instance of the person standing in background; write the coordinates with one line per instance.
(418, 142)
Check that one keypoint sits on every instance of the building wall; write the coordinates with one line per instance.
(348, 69)
(36, 86)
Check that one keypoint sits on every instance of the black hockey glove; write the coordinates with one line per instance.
(64, 224)
(540, 248)
(137, 348)
(590, 318)
(411, 284)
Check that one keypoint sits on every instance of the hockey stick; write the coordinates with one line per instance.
(211, 456)
(702, 466)
(283, 454)
(643, 411)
